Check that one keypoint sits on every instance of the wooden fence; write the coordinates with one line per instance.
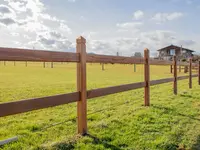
(82, 94)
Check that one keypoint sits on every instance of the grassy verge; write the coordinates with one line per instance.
(118, 121)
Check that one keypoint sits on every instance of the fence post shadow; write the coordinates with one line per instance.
(105, 143)
(196, 146)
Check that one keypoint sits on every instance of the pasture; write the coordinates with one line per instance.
(118, 121)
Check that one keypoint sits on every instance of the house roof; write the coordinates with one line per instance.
(175, 47)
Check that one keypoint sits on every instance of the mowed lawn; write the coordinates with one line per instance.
(118, 121)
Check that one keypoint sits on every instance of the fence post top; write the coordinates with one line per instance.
(80, 40)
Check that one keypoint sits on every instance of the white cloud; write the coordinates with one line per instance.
(163, 17)
(26, 23)
(7, 21)
(5, 9)
(54, 40)
(186, 42)
(128, 44)
(28, 19)
(130, 25)
(138, 15)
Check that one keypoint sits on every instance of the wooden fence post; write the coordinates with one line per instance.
(81, 86)
(171, 69)
(146, 78)
(51, 64)
(190, 73)
(175, 74)
(134, 67)
(44, 64)
(102, 66)
(185, 69)
(199, 72)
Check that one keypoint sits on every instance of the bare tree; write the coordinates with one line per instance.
(138, 54)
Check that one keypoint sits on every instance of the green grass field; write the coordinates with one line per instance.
(118, 121)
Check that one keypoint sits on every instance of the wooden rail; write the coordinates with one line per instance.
(113, 59)
(115, 89)
(160, 62)
(16, 54)
(82, 94)
(22, 106)
(161, 81)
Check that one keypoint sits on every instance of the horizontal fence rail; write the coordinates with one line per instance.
(161, 81)
(115, 89)
(15, 54)
(113, 59)
(82, 94)
(22, 106)
(160, 62)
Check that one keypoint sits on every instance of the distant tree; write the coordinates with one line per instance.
(184, 60)
(138, 54)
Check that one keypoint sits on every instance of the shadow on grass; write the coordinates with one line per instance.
(64, 146)
(196, 146)
(167, 110)
(103, 142)
(186, 95)
(70, 145)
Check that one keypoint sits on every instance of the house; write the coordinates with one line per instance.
(168, 52)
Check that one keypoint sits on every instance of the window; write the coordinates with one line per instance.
(172, 52)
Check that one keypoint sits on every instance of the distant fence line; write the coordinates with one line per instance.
(52, 64)
(26, 64)
(82, 94)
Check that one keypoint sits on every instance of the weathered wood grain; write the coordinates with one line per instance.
(160, 62)
(22, 106)
(16, 54)
(114, 89)
(161, 81)
(113, 59)
(146, 78)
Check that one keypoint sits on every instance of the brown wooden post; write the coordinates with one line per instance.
(146, 78)
(51, 64)
(26, 63)
(102, 66)
(190, 74)
(171, 69)
(175, 74)
(185, 69)
(81, 86)
(179, 68)
(44, 64)
(134, 67)
(199, 72)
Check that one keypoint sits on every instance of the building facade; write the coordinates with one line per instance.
(168, 52)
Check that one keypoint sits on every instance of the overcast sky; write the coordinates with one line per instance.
(109, 26)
